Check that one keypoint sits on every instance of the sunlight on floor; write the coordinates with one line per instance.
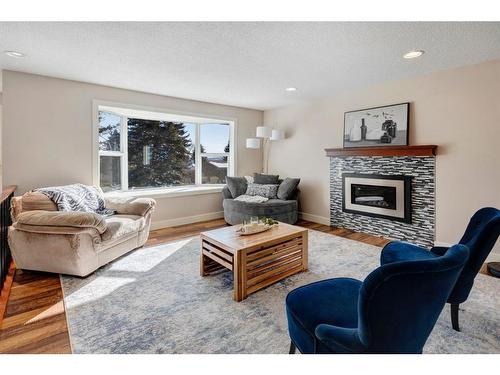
(138, 262)
(53, 310)
(96, 289)
(141, 260)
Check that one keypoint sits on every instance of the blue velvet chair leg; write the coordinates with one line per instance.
(454, 316)
(293, 348)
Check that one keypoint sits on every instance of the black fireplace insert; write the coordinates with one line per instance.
(375, 196)
(385, 196)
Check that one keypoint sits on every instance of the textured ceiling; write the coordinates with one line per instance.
(245, 64)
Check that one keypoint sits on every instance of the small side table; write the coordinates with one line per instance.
(494, 268)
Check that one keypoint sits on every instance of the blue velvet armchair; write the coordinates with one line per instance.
(392, 311)
(480, 237)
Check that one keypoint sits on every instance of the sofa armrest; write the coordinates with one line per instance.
(130, 206)
(60, 222)
(294, 196)
(226, 193)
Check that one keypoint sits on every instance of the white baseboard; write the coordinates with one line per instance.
(314, 218)
(186, 220)
(217, 215)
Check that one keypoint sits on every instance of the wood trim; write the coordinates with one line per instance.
(7, 284)
(274, 242)
(217, 251)
(8, 190)
(5, 292)
(274, 279)
(305, 250)
(239, 294)
(273, 249)
(263, 268)
(275, 256)
(292, 262)
(420, 150)
(214, 257)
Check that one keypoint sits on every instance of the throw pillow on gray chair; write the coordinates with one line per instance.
(269, 191)
(236, 185)
(287, 188)
(265, 179)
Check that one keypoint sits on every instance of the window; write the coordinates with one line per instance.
(214, 152)
(111, 151)
(151, 150)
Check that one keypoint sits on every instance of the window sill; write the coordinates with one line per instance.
(168, 192)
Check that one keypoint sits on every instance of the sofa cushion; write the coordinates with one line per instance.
(121, 225)
(34, 201)
(61, 219)
(236, 185)
(267, 191)
(287, 188)
(266, 179)
(130, 205)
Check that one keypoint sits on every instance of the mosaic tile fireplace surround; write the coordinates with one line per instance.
(421, 169)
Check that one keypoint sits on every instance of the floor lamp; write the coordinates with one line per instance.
(265, 135)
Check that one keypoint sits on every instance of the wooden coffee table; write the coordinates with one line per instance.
(257, 260)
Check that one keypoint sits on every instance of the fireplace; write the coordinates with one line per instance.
(385, 196)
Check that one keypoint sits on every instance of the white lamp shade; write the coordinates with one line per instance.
(264, 132)
(253, 143)
(277, 135)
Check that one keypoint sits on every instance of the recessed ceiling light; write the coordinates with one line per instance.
(289, 89)
(14, 54)
(413, 54)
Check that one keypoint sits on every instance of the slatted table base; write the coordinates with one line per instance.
(256, 268)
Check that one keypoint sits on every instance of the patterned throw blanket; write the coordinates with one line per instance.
(77, 197)
(251, 198)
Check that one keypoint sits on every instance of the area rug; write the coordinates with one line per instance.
(154, 301)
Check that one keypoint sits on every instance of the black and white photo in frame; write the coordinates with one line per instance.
(378, 126)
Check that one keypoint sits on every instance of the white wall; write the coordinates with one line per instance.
(47, 136)
(458, 109)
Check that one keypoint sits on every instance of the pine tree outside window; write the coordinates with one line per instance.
(139, 153)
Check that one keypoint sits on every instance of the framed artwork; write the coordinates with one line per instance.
(378, 126)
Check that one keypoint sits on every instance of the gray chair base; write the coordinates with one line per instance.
(235, 212)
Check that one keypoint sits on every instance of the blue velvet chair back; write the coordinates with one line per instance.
(399, 303)
(480, 237)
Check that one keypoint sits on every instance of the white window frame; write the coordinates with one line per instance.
(120, 109)
(123, 153)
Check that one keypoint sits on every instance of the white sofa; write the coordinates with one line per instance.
(42, 238)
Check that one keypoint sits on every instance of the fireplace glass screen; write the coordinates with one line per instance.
(374, 196)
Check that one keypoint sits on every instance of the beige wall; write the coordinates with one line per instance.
(47, 135)
(1, 102)
(458, 109)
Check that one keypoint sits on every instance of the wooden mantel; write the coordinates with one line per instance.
(420, 150)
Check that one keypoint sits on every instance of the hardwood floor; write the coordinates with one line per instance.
(35, 319)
